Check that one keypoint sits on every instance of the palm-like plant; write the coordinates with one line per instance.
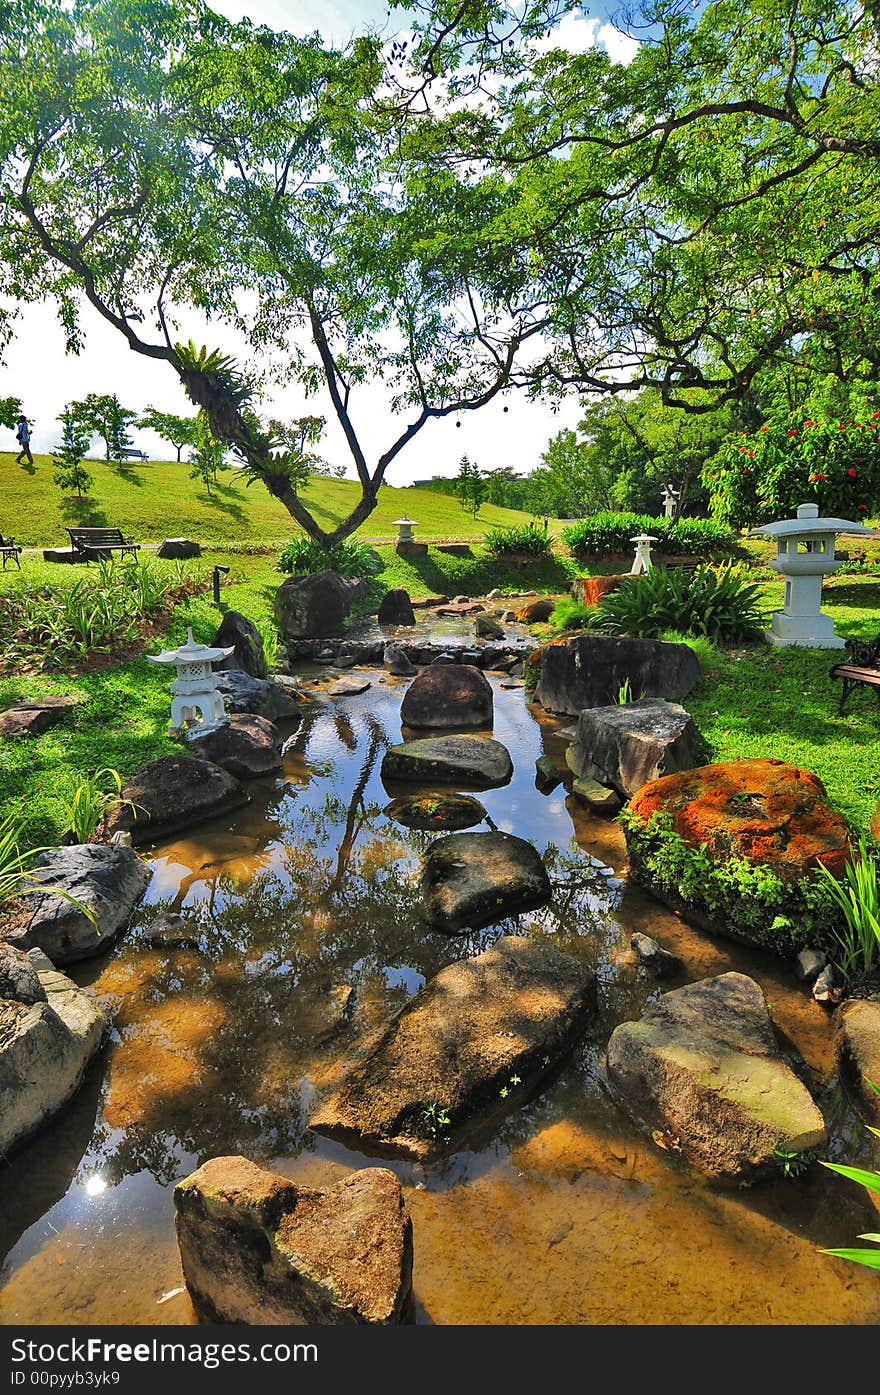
(871, 1180)
(857, 898)
(18, 868)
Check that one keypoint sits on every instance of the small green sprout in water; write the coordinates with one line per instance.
(504, 1092)
(795, 1164)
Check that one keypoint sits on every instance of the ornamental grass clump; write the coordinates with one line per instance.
(352, 558)
(528, 539)
(718, 602)
(857, 900)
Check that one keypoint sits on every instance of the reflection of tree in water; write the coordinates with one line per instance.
(221, 1050)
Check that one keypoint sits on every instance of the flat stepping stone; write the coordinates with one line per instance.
(436, 811)
(257, 1248)
(46, 1046)
(474, 879)
(348, 687)
(477, 1041)
(105, 879)
(703, 1067)
(31, 718)
(599, 798)
(476, 760)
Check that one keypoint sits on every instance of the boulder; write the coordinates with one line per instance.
(626, 745)
(654, 956)
(179, 548)
(261, 697)
(105, 880)
(448, 696)
(589, 670)
(45, 1047)
(249, 654)
(470, 880)
(19, 979)
(590, 589)
(547, 776)
(397, 662)
(245, 745)
(762, 812)
(600, 798)
(477, 1041)
(312, 606)
(857, 1044)
(258, 1249)
(449, 760)
(174, 792)
(436, 811)
(534, 612)
(487, 628)
(31, 718)
(396, 608)
(702, 1067)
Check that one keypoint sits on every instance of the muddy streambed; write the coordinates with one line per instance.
(306, 931)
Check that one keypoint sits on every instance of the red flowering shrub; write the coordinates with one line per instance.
(835, 464)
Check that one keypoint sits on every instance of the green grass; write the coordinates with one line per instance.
(152, 500)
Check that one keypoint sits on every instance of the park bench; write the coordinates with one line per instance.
(861, 666)
(96, 544)
(9, 551)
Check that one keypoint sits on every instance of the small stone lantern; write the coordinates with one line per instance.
(804, 554)
(406, 544)
(195, 688)
(670, 499)
(642, 560)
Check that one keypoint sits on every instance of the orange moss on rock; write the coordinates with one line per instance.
(591, 589)
(764, 811)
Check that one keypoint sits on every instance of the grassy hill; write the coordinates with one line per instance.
(157, 499)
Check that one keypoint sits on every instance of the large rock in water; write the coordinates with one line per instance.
(258, 1249)
(449, 760)
(474, 879)
(396, 609)
(857, 1042)
(497, 1022)
(245, 745)
(629, 744)
(703, 1067)
(261, 697)
(314, 606)
(589, 671)
(439, 812)
(174, 792)
(45, 1046)
(108, 881)
(249, 654)
(762, 812)
(446, 696)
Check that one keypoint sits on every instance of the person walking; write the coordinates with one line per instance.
(23, 436)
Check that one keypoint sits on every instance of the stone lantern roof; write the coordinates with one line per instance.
(190, 653)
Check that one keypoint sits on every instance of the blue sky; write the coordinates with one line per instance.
(36, 368)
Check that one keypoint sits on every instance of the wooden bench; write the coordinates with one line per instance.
(9, 551)
(862, 666)
(96, 544)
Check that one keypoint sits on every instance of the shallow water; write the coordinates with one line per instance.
(567, 1213)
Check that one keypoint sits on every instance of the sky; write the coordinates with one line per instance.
(36, 368)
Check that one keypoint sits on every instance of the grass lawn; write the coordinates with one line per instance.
(156, 499)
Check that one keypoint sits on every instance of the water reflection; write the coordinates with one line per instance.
(307, 930)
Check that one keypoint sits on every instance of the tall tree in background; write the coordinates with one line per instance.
(102, 414)
(179, 431)
(207, 457)
(471, 487)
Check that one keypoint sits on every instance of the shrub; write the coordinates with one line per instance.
(569, 614)
(719, 603)
(527, 538)
(350, 558)
(604, 533)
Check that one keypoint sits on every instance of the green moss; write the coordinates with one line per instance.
(742, 899)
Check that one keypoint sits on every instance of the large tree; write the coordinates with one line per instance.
(155, 156)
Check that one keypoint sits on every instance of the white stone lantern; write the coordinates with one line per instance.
(804, 554)
(404, 528)
(195, 688)
(670, 499)
(642, 561)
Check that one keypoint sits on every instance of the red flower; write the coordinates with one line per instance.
(852, 474)
(751, 455)
(863, 506)
(793, 431)
(743, 449)
(746, 472)
(763, 428)
(809, 423)
(876, 416)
